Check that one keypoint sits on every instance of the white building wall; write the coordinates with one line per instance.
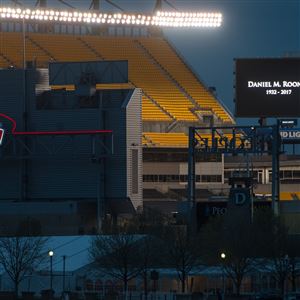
(134, 149)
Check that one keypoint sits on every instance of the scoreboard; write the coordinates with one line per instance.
(267, 87)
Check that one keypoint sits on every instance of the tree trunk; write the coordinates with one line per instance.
(183, 279)
(293, 279)
(282, 287)
(125, 284)
(294, 283)
(145, 277)
(16, 289)
(238, 284)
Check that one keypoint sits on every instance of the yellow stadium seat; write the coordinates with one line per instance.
(163, 100)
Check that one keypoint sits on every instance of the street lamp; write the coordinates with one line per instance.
(287, 270)
(64, 273)
(223, 257)
(51, 253)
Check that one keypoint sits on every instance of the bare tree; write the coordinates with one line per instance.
(116, 255)
(181, 252)
(263, 243)
(276, 247)
(150, 250)
(20, 255)
(294, 259)
(149, 221)
(151, 224)
(233, 236)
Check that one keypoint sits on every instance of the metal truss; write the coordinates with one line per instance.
(235, 140)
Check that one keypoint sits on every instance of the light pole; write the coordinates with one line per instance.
(51, 253)
(287, 270)
(223, 257)
(64, 273)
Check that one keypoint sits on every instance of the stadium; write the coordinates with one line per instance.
(54, 81)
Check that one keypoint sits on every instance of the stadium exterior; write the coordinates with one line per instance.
(67, 159)
(148, 114)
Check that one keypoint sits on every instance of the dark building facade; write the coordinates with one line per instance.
(70, 156)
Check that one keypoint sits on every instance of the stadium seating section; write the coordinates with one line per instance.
(290, 196)
(172, 92)
(157, 139)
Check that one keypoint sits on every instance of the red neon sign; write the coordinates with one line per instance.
(1, 135)
(63, 132)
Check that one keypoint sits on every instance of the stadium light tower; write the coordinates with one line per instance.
(158, 19)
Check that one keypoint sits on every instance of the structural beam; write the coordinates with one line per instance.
(95, 5)
(235, 140)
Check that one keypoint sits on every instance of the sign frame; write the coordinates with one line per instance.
(267, 87)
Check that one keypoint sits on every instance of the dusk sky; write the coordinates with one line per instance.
(250, 29)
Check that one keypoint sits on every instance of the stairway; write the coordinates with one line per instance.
(11, 63)
(166, 73)
(36, 44)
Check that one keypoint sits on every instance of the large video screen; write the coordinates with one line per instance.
(267, 87)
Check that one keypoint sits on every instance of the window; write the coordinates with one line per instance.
(260, 176)
(211, 178)
(288, 174)
(108, 285)
(135, 170)
(255, 176)
(89, 285)
(98, 285)
(273, 282)
(161, 178)
(150, 178)
(296, 174)
(270, 176)
(183, 178)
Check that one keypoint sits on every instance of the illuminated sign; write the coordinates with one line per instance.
(208, 209)
(239, 197)
(288, 122)
(290, 135)
(267, 87)
(1, 135)
(37, 133)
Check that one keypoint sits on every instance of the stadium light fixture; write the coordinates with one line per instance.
(159, 19)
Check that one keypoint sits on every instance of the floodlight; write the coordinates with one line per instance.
(161, 18)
